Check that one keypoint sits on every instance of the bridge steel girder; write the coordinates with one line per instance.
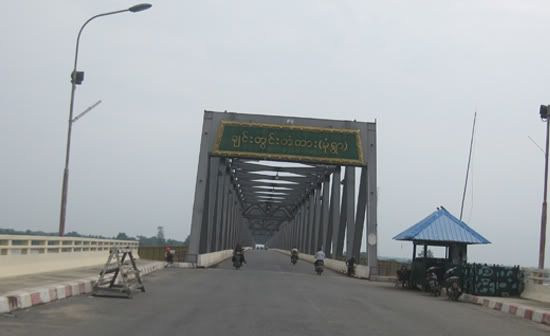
(324, 216)
(299, 223)
(200, 189)
(213, 169)
(305, 220)
(225, 214)
(350, 209)
(317, 219)
(334, 214)
(219, 206)
(310, 223)
(315, 170)
(233, 207)
(250, 177)
(222, 193)
(341, 233)
(372, 201)
(360, 216)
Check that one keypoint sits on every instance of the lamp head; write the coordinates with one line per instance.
(544, 112)
(140, 7)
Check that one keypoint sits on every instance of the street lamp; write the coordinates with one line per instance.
(76, 79)
(544, 114)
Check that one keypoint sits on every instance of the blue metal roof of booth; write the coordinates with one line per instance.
(442, 226)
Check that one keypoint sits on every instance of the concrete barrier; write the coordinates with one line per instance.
(214, 258)
(537, 284)
(20, 255)
(361, 271)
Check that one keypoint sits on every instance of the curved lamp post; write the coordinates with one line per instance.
(76, 79)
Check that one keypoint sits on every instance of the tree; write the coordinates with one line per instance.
(122, 236)
(160, 235)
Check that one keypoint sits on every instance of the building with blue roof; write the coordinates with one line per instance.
(441, 228)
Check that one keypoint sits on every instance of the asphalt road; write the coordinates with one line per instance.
(268, 296)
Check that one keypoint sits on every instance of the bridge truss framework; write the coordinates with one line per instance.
(305, 205)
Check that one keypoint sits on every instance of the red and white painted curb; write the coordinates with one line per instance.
(31, 297)
(525, 312)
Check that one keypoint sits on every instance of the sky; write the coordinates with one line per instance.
(419, 69)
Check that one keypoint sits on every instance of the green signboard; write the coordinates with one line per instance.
(289, 143)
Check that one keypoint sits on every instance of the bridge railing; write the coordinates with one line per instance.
(12, 245)
(25, 254)
(158, 253)
(537, 276)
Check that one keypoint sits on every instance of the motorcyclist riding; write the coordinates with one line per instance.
(238, 252)
(294, 255)
(319, 261)
(320, 257)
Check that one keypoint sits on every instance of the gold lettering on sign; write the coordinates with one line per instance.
(271, 139)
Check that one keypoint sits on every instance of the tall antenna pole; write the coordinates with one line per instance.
(468, 167)
(542, 246)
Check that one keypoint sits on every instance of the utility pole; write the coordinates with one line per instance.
(544, 115)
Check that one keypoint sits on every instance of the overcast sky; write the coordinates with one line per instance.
(419, 68)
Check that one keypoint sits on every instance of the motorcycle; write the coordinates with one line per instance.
(351, 269)
(452, 280)
(319, 266)
(237, 260)
(403, 277)
(432, 281)
(293, 259)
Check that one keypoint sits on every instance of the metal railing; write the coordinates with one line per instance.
(14, 245)
(158, 253)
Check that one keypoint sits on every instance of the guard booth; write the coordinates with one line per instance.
(440, 229)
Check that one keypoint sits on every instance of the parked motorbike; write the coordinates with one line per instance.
(403, 277)
(432, 281)
(319, 266)
(453, 284)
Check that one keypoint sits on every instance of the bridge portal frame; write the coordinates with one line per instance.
(323, 217)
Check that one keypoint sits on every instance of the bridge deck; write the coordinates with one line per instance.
(268, 296)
